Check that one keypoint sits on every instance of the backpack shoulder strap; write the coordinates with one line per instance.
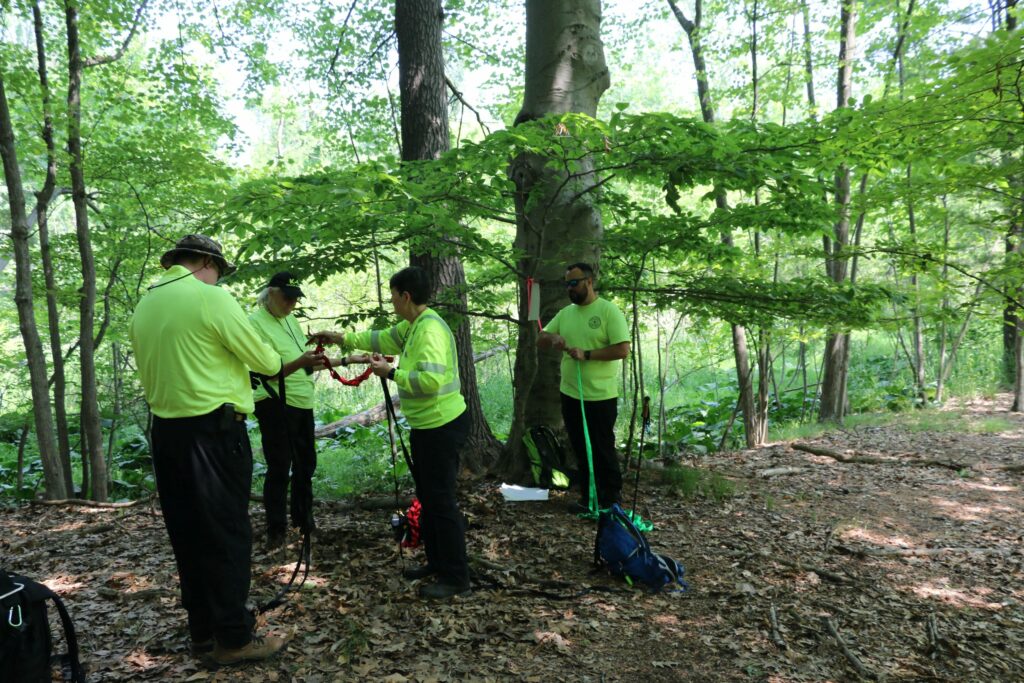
(72, 667)
(70, 662)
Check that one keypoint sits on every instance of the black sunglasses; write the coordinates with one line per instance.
(575, 281)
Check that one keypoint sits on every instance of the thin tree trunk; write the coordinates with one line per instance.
(53, 471)
(22, 442)
(565, 72)
(741, 355)
(425, 135)
(90, 416)
(836, 358)
(43, 197)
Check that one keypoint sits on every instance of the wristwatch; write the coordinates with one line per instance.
(344, 361)
(391, 374)
(586, 355)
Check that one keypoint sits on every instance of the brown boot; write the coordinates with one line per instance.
(257, 649)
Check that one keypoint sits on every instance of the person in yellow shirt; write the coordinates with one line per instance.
(427, 376)
(594, 335)
(286, 430)
(193, 348)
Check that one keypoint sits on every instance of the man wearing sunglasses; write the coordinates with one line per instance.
(594, 335)
(194, 347)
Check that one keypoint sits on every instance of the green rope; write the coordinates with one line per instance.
(593, 513)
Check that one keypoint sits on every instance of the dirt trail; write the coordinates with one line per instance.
(918, 569)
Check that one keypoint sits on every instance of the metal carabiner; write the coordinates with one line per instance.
(10, 617)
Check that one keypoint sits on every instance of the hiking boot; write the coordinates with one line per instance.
(443, 590)
(416, 573)
(201, 648)
(257, 649)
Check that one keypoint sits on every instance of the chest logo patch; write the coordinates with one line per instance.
(595, 323)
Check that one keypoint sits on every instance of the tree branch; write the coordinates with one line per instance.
(96, 61)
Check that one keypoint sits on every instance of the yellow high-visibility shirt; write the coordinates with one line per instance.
(594, 326)
(286, 338)
(194, 347)
(428, 370)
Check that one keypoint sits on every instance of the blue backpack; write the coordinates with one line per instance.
(625, 552)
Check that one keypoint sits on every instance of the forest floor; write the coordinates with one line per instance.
(912, 555)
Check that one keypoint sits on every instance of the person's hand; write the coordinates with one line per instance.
(380, 365)
(325, 337)
(575, 353)
(358, 358)
(311, 359)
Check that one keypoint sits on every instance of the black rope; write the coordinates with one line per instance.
(306, 550)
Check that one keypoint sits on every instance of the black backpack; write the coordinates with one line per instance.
(548, 463)
(25, 645)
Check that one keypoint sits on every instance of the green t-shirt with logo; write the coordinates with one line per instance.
(194, 347)
(594, 326)
(285, 336)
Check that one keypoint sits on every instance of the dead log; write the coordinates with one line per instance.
(378, 413)
(780, 471)
(88, 503)
(871, 460)
(862, 671)
(1012, 468)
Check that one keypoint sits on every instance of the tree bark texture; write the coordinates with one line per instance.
(836, 361)
(425, 135)
(53, 473)
(90, 415)
(565, 72)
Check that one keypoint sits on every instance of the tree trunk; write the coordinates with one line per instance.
(836, 360)
(58, 379)
(748, 404)
(90, 416)
(565, 72)
(53, 471)
(425, 135)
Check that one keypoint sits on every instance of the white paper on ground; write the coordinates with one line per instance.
(518, 493)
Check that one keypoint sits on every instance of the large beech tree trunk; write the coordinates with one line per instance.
(53, 471)
(837, 358)
(565, 72)
(425, 135)
(90, 415)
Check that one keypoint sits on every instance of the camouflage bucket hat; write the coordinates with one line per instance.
(199, 244)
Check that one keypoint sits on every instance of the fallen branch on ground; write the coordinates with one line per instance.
(914, 552)
(870, 460)
(780, 471)
(800, 566)
(850, 656)
(376, 414)
(88, 503)
(777, 638)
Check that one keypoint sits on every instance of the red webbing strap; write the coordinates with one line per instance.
(355, 381)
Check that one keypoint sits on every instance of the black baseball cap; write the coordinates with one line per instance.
(283, 281)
